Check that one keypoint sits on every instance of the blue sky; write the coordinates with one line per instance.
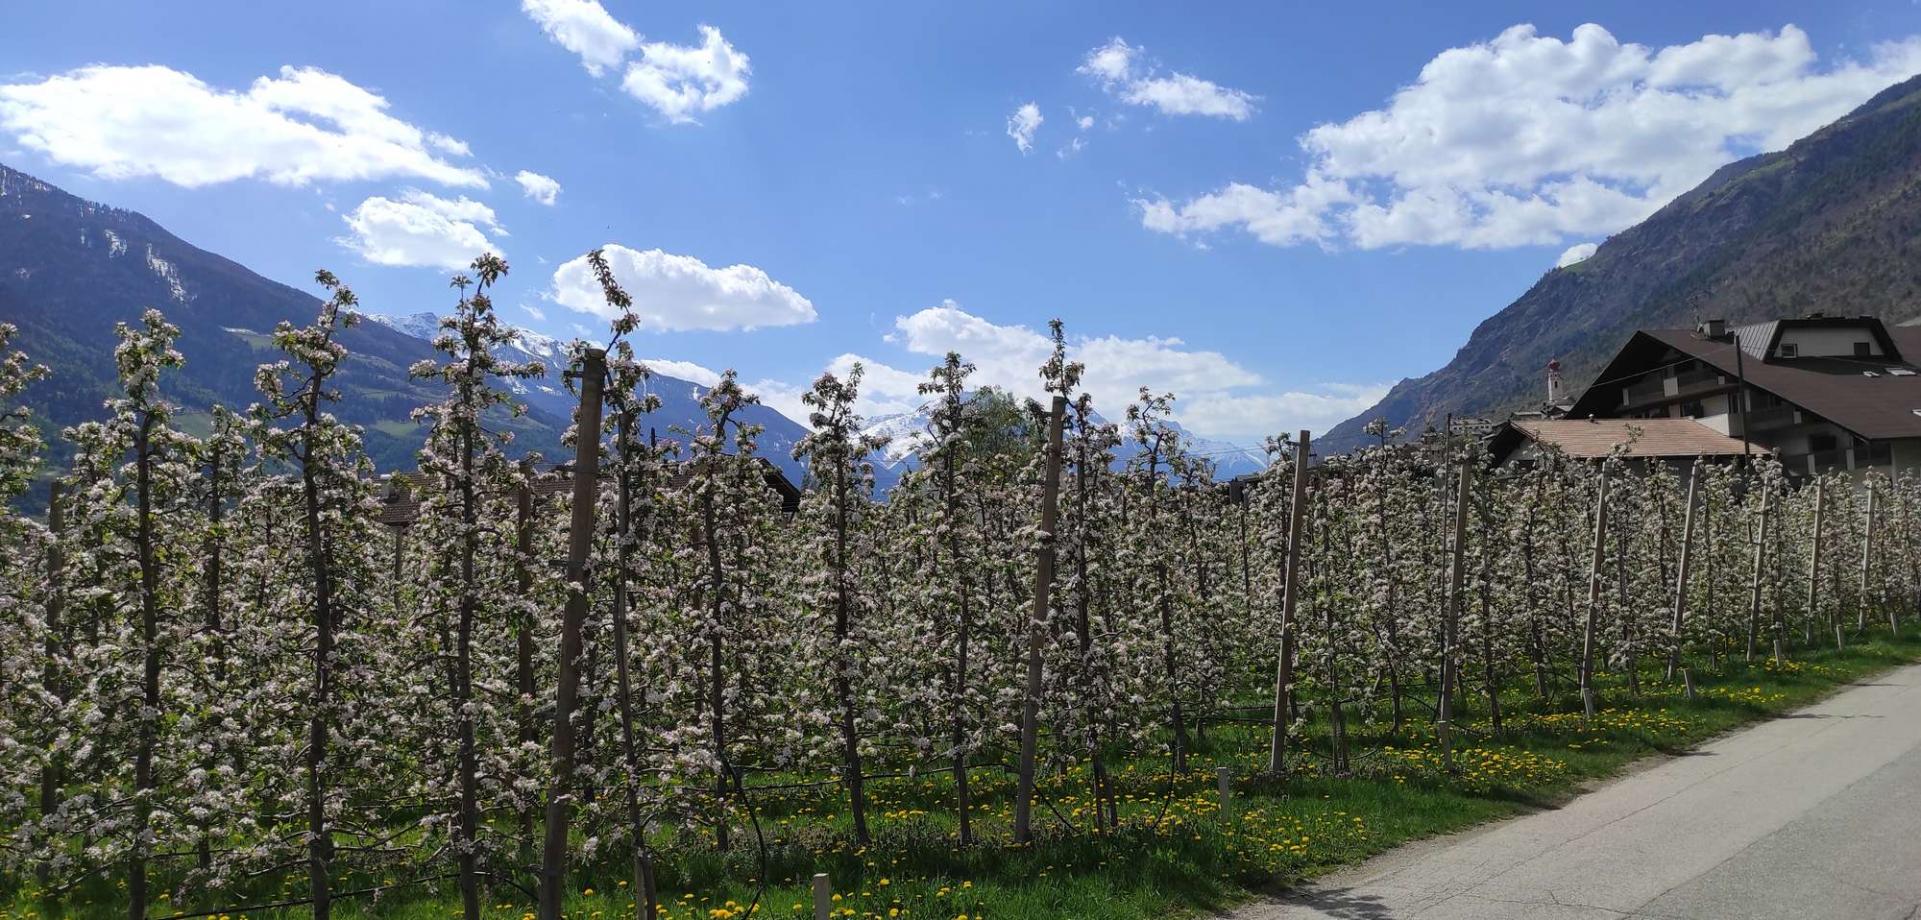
(1273, 210)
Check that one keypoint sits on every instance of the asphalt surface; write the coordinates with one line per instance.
(1812, 816)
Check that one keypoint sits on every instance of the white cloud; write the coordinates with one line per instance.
(782, 397)
(538, 187)
(1119, 68)
(537, 313)
(1022, 124)
(1277, 218)
(1011, 355)
(678, 81)
(585, 28)
(1111, 63)
(1579, 252)
(421, 229)
(685, 370)
(681, 81)
(1215, 396)
(675, 293)
(1531, 140)
(303, 126)
(884, 390)
(1248, 416)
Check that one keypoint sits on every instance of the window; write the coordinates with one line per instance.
(1789, 350)
(1693, 409)
(1863, 350)
(1880, 453)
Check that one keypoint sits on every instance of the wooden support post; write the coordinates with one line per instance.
(1284, 669)
(1867, 569)
(1224, 778)
(1814, 563)
(823, 896)
(1594, 596)
(1681, 577)
(1451, 619)
(580, 539)
(1754, 589)
(1037, 624)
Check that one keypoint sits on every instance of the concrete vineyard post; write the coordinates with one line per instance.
(823, 896)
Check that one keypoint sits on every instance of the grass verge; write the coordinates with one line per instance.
(1175, 850)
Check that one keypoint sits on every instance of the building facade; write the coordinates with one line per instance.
(1823, 393)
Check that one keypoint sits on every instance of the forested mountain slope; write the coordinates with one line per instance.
(1833, 223)
(70, 269)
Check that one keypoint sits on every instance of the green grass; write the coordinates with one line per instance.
(1175, 850)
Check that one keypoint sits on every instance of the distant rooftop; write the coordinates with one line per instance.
(1593, 439)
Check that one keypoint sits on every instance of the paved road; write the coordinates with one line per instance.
(1812, 816)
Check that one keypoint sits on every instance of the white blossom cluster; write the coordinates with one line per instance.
(217, 664)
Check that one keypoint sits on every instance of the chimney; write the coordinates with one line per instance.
(1714, 328)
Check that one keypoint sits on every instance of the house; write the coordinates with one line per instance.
(1677, 441)
(1823, 393)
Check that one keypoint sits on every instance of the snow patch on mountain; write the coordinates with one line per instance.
(167, 273)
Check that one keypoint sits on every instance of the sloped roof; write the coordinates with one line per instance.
(1759, 339)
(1594, 439)
(1876, 407)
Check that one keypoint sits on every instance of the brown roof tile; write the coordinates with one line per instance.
(1647, 437)
(1882, 406)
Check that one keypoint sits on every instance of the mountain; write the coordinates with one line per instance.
(679, 411)
(1832, 223)
(70, 269)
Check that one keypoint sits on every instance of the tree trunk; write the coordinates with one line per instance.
(469, 825)
(643, 862)
(524, 637)
(149, 715)
(851, 768)
(1037, 625)
(958, 721)
(1083, 627)
(320, 847)
(580, 538)
(51, 679)
(716, 664)
(216, 629)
